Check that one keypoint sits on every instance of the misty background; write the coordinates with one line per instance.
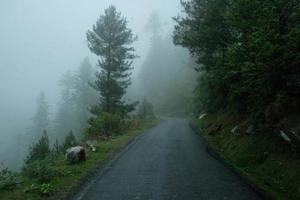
(42, 41)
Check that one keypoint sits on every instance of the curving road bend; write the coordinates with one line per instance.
(168, 162)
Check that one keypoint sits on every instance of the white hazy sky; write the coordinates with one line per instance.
(41, 39)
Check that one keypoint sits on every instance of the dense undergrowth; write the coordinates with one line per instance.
(262, 159)
(49, 176)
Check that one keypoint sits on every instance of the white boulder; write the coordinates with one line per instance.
(75, 155)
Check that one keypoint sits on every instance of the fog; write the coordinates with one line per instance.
(42, 40)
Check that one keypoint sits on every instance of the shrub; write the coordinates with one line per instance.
(43, 189)
(70, 141)
(105, 124)
(8, 179)
(40, 170)
(40, 150)
(39, 164)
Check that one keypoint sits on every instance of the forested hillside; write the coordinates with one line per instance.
(247, 97)
(248, 52)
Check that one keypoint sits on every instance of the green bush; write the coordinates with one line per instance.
(43, 189)
(105, 124)
(40, 150)
(39, 163)
(40, 170)
(8, 180)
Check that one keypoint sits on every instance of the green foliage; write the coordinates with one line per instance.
(262, 159)
(111, 40)
(8, 179)
(248, 51)
(39, 151)
(38, 164)
(43, 189)
(63, 176)
(40, 170)
(105, 124)
(70, 141)
(208, 93)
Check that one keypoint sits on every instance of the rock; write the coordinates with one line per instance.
(250, 130)
(289, 130)
(91, 145)
(284, 136)
(201, 116)
(235, 131)
(75, 155)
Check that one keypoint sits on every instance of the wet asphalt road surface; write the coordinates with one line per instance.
(168, 162)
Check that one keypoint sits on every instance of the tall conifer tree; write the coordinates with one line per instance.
(111, 40)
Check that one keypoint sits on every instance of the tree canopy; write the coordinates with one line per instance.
(247, 51)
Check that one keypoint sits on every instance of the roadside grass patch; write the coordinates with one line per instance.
(66, 176)
(261, 158)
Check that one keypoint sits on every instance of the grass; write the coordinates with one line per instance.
(70, 176)
(261, 158)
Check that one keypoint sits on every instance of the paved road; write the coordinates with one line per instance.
(168, 162)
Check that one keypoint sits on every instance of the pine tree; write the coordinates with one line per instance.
(41, 118)
(65, 118)
(84, 95)
(154, 26)
(169, 94)
(111, 40)
(39, 150)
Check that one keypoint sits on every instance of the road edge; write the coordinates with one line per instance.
(102, 167)
(216, 155)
